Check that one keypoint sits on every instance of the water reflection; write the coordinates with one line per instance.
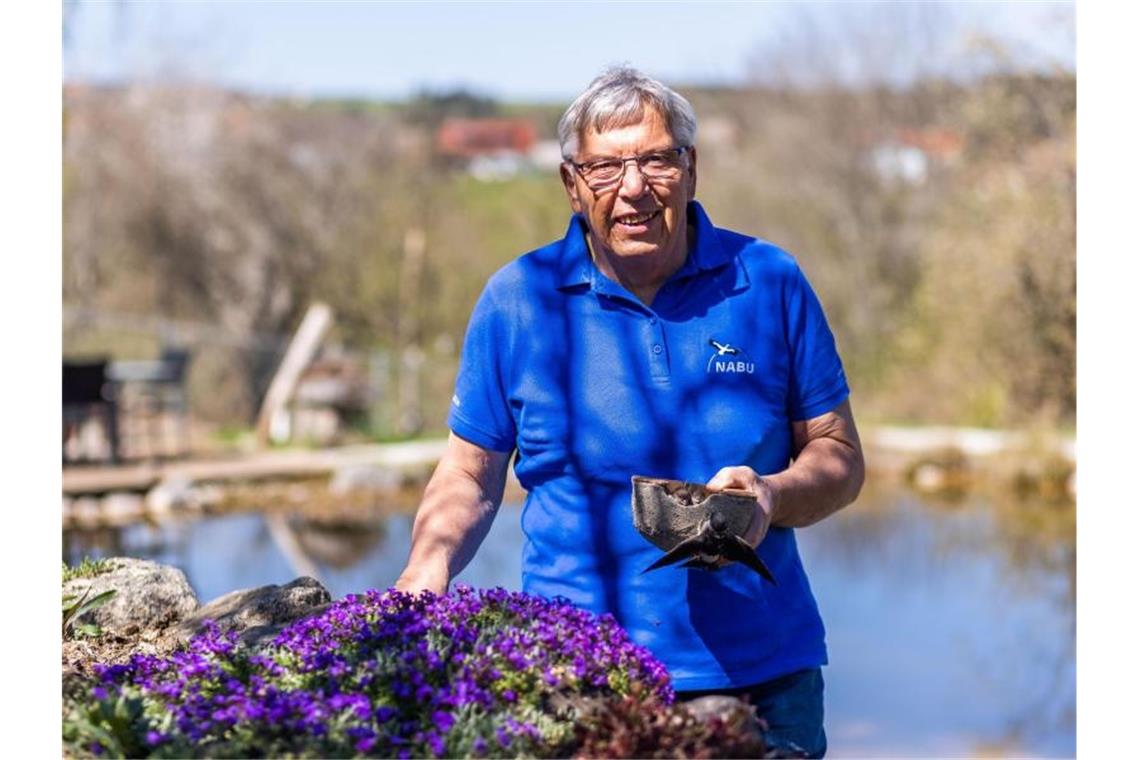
(949, 632)
(951, 626)
(337, 544)
(220, 554)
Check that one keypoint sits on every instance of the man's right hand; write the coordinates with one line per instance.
(415, 579)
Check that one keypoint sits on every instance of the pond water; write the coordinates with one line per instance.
(950, 627)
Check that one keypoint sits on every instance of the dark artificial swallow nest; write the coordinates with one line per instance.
(694, 524)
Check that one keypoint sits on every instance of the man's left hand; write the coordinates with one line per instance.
(746, 479)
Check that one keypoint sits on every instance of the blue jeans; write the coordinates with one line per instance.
(791, 705)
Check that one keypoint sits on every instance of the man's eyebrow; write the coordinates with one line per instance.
(602, 157)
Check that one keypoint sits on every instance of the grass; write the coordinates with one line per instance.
(88, 568)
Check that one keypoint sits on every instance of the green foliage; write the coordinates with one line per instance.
(430, 107)
(76, 605)
(104, 728)
(87, 568)
(233, 434)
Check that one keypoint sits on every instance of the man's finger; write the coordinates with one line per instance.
(728, 477)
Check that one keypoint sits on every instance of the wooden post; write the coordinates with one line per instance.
(297, 357)
(409, 356)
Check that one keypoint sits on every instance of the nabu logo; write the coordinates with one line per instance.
(729, 359)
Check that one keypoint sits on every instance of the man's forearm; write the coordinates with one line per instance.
(824, 478)
(458, 507)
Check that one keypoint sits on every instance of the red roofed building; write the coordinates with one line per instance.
(910, 155)
(470, 138)
(942, 144)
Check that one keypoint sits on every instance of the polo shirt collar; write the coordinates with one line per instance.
(577, 268)
(574, 262)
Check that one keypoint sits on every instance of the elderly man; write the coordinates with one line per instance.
(647, 341)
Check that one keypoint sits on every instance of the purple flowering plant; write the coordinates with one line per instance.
(474, 673)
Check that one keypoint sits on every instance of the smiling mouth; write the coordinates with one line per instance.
(636, 220)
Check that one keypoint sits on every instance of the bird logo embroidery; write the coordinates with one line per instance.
(723, 349)
(729, 359)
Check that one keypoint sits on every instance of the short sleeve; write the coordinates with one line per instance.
(480, 411)
(818, 383)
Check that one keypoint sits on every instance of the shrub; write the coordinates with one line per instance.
(474, 673)
(623, 727)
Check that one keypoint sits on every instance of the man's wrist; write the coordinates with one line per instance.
(771, 504)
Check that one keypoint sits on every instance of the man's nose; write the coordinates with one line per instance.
(633, 183)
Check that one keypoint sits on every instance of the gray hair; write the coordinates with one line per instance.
(617, 98)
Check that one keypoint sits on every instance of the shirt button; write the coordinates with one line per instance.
(657, 348)
(653, 320)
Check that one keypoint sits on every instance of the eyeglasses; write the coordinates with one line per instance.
(660, 165)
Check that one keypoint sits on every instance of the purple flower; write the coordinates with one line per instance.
(443, 721)
(386, 659)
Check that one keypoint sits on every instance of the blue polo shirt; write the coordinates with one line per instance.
(591, 387)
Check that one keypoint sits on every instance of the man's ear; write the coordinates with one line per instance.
(571, 186)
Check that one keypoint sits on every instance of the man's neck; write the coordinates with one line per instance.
(642, 281)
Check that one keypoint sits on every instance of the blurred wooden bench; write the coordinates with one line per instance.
(152, 392)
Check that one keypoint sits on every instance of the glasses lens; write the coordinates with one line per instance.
(659, 165)
(601, 172)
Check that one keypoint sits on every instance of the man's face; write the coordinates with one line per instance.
(634, 218)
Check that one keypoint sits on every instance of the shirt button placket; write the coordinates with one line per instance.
(658, 355)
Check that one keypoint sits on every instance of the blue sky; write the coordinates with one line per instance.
(515, 51)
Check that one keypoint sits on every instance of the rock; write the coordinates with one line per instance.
(148, 596)
(258, 614)
(85, 511)
(929, 477)
(174, 493)
(122, 508)
(731, 710)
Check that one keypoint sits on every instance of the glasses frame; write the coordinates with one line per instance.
(580, 168)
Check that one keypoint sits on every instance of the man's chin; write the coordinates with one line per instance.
(632, 249)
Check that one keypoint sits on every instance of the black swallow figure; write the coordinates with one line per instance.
(714, 541)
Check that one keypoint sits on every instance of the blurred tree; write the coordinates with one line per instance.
(429, 108)
(992, 332)
(830, 111)
(190, 203)
(949, 304)
(221, 207)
